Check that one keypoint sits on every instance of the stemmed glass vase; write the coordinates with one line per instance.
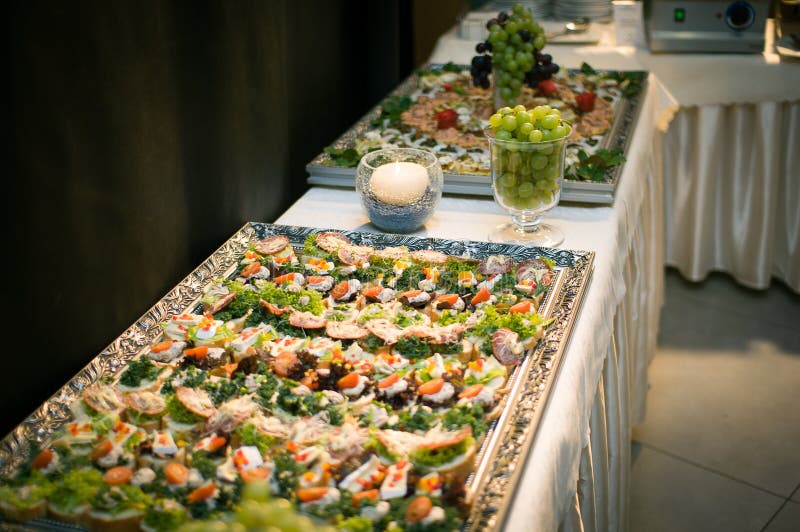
(526, 181)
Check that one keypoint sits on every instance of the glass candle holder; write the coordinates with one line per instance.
(399, 188)
(526, 181)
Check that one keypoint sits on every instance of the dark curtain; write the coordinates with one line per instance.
(145, 133)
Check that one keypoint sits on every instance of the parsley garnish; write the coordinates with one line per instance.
(391, 109)
(593, 167)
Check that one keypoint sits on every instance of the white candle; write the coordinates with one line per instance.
(399, 183)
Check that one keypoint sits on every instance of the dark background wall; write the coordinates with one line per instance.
(144, 133)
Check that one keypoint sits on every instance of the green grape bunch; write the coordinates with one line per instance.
(513, 52)
(528, 162)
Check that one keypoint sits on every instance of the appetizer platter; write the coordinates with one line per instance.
(438, 109)
(370, 380)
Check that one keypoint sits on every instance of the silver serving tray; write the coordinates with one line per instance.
(489, 488)
(626, 114)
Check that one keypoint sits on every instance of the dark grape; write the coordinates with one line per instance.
(502, 16)
(488, 46)
(477, 61)
(485, 83)
(525, 35)
(480, 47)
(546, 59)
(491, 23)
(553, 68)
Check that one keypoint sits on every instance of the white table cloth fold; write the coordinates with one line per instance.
(732, 179)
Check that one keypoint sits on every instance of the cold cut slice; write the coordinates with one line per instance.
(271, 244)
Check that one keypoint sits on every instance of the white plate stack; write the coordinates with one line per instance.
(540, 9)
(597, 10)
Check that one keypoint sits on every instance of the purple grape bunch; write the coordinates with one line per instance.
(513, 52)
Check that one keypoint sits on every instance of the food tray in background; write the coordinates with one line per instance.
(491, 485)
(625, 100)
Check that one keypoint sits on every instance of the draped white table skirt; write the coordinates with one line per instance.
(602, 494)
(732, 192)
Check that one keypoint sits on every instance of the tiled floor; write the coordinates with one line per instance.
(720, 447)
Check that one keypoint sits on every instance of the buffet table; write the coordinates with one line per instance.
(584, 436)
(731, 145)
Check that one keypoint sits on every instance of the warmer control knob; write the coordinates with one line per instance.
(740, 15)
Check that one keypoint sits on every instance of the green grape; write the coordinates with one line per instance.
(518, 9)
(555, 112)
(540, 111)
(509, 121)
(519, 108)
(528, 47)
(503, 134)
(505, 93)
(257, 491)
(505, 110)
(502, 36)
(498, 47)
(559, 131)
(551, 172)
(539, 42)
(496, 29)
(543, 184)
(521, 57)
(495, 120)
(518, 75)
(547, 149)
(547, 134)
(515, 84)
(509, 192)
(525, 129)
(525, 190)
(536, 136)
(508, 180)
(524, 117)
(512, 66)
(512, 27)
(516, 39)
(549, 122)
(539, 161)
(505, 77)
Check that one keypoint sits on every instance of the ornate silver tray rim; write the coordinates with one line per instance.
(618, 136)
(489, 488)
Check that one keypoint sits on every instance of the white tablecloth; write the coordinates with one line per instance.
(598, 375)
(731, 174)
